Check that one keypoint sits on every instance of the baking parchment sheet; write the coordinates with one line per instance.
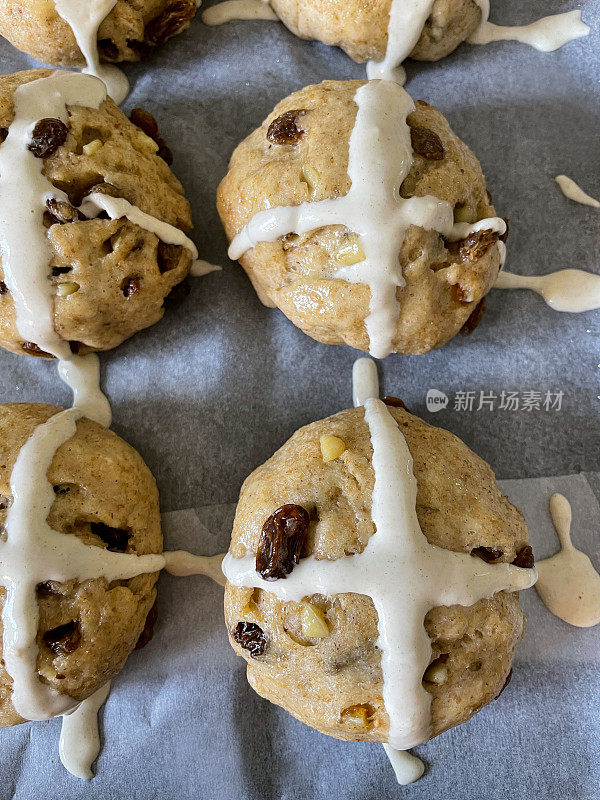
(211, 391)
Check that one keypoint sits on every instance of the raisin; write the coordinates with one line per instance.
(44, 589)
(3, 134)
(504, 236)
(60, 271)
(427, 143)
(3, 288)
(164, 151)
(62, 211)
(178, 293)
(251, 637)
(145, 121)
(74, 347)
(284, 129)
(281, 542)
(474, 319)
(487, 554)
(63, 639)
(108, 49)
(34, 350)
(524, 558)
(148, 632)
(48, 135)
(477, 244)
(116, 539)
(130, 286)
(139, 48)
(172, 20)
(394, 402)
(61, 489)
(167, 256)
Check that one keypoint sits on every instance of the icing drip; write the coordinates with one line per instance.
(574, 192)
(407, 768)
(79, 743)
(200, 268)
(572, 290)
(568, 584)
(379, 159)
(408, 18)
(84, 19)
(365, 382)
(183, 564)
(401, 571)
(238, 9)
(546, 34)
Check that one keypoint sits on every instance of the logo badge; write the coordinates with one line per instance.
(436, 400)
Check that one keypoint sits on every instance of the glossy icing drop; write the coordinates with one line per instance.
(379, 158)
(85, 17)
(574, 192)
(400, 570)
(571, 290)
(568, 584)
(238, 9)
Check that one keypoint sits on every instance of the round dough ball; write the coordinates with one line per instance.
(361, 28)
(107, 497)
(117, 273)
(445, 283)
(129, 31)
(334, 683)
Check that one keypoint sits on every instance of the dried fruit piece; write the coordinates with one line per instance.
(92, 147)
(474, 318)
(67, 288)
(48, 135)
(63, 639)
(504, 236)
(168, 256)
(427, 143)
(394, 402)
(284, 129)
(148, 632)
(312, 179)
(477, 244)
(314, 624)
(524, 558)
(108, 49)
(116, 539)
(361, 714)
(34, 350)
(437, 672)
(172, 20)
(63, 212)
(251, 637)
(130, 286)
(145, 121)
(44, 589)
(332, 447)
(350, 251)
(3, 288)
(3, 134)
(281, 542)
(487, 554)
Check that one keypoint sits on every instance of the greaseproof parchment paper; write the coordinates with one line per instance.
(211, 391)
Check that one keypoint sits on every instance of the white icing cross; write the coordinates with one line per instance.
(401, 571)
(379, 159)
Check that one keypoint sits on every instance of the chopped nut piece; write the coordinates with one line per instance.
(350, 251)
(48, 135)
(360, 714)
(332, 447)
(251, 637)
(427, 143)
(285, 130)
(311, 177)
(314, 624)
(92, 147)
(65, 289)
(436, 673)
(282, 539)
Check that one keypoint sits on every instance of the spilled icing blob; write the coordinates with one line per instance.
(400, 570)
(379, 159)
(79, 744)
(200, 268)
(546, 34)
(574, 192)
(85, 17)
(568, 584)
(238, 9)
(570, 290)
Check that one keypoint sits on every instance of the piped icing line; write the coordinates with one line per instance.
(379, 159)
(238, 9)
(574, 192)
(404, 575)
(568, 583)
(84, 17)
(408, 17)
(119, 208)
(79, 743)
(569, 290)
